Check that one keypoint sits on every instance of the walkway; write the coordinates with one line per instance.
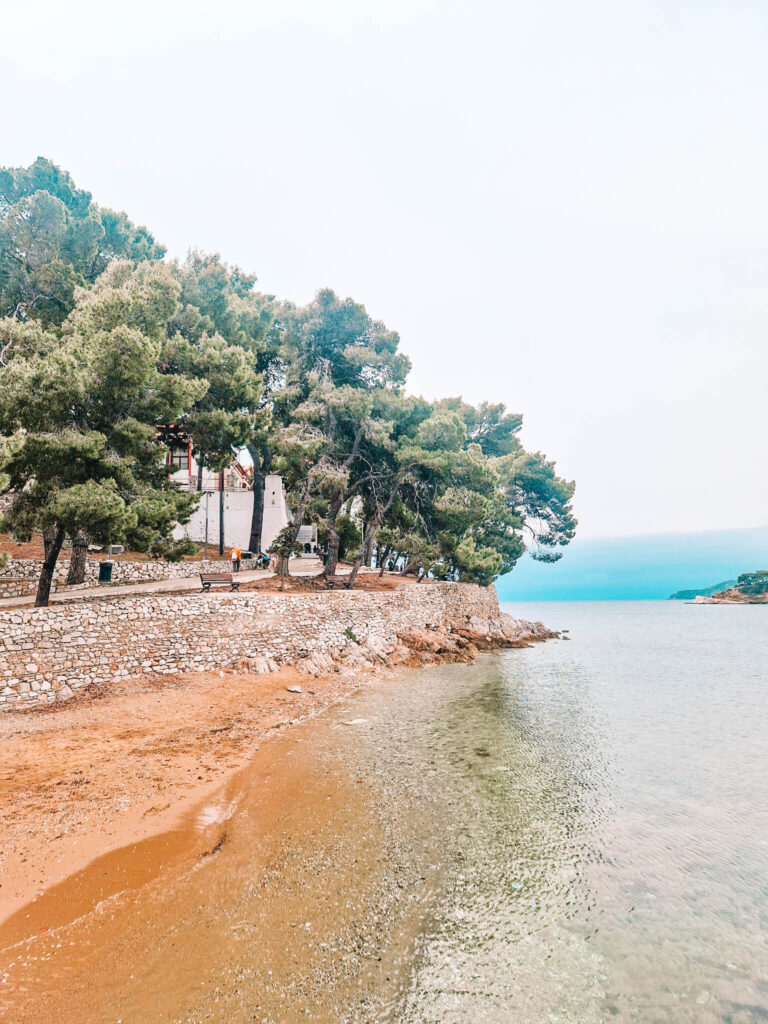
(178, 585)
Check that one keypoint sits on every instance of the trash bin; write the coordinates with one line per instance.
(105, 572)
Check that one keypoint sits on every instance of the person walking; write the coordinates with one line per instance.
(235, 556)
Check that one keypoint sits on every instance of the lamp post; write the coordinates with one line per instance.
(221, 514)
(207, 498)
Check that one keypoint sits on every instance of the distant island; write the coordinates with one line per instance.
(689, 595)
(749, 588)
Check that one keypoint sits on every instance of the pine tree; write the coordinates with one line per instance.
(79, 422)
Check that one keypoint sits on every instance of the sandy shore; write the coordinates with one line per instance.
(108, 770)
(294, 891)
(127, 761)
(139, 815)
(124, 797)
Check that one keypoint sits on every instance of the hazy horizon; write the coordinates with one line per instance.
(642, 567)
(559, 208)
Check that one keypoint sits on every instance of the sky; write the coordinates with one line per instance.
(559, 205)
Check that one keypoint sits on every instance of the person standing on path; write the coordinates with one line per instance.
(235, 556)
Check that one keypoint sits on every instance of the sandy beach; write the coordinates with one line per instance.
(129, 803)
(118, 766)
(136, 810)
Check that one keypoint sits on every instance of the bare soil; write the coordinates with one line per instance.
(34, 549)
(370, 582)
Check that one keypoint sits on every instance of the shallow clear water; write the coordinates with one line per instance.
(612, 832)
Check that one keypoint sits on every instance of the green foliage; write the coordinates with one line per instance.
(54, 238)
(689, 595)
(93, 506)
(285, 544)
(170, 550)
(349, 536)
(225, 418)
(80, 418)
(108, 354)
(753, 582)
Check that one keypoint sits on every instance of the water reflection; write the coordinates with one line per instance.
(613, 856)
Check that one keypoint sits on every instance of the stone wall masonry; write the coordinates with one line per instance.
(26, 571)
(47, 654)
(26, 586)
(17, 586)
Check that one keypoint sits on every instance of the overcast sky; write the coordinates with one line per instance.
(560, 205)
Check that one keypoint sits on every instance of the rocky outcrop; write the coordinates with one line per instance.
(426, 645)
(733, 596)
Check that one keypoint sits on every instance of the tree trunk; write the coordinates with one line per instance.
(53, 543)
(78, 561)
(49, 535)
(370, 537)
(383, 559)
(355, 569)
(200, 471)
(366, 550)
(283, 566)
(257, 516)
(221, 514)
(333, 552)
(333, 537)
(261, 465)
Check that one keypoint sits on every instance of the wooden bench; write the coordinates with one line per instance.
(218, 579)
(336, 581)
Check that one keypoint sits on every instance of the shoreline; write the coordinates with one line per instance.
(128, 761)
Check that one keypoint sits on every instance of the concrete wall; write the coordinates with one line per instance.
(238, 510)
(275, 511)
(47, 654)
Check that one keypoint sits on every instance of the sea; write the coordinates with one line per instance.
(613, 823)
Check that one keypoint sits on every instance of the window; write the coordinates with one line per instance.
(179, 458)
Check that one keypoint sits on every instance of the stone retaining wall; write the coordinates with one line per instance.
(27, 570)
(48, 653)
(17, 586)
(26, 586)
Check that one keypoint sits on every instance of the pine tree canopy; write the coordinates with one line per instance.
(106, 348)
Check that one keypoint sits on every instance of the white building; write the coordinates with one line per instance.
(184, 470)
(231, 493)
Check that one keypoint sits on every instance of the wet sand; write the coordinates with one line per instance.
(290, 892)
(128, 762)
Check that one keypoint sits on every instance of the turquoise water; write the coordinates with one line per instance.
(608, 832)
